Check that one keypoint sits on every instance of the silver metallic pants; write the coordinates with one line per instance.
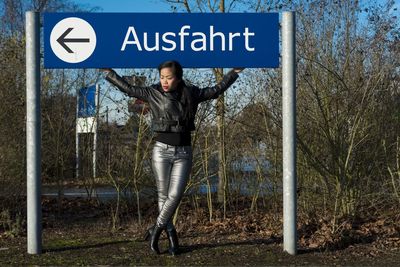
(171, 167)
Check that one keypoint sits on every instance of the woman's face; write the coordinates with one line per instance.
(168, 80)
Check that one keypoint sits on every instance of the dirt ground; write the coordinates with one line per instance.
(85, 239)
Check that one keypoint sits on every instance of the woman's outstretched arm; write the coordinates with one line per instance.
(216, 90)
(141, 92)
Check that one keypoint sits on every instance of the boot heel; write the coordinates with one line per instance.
(155, 236)
(173, 242)
(147, 235)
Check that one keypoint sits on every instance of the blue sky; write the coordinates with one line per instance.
(149, 5)
(127, 5)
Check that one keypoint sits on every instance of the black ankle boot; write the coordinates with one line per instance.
(148, 233)
(173, 242)
(155, 236)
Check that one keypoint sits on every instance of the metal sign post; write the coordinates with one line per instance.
(289, 133)
(96, 116)
(33, 139)
(77, 157)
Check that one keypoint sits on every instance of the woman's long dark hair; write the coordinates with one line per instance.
(186, 98)
(175, 66)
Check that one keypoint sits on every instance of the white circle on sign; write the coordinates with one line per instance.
(73, 40)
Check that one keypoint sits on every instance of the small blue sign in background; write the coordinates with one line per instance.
(111, 31)
(87, 102)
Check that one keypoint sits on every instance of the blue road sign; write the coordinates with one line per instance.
(144, 40)
(87, 102)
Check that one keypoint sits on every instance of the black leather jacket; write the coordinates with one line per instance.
(166, 107)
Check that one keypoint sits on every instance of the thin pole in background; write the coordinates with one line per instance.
(77, 158)
(33, 134)
(95, 120)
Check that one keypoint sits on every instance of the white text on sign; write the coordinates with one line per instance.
(200, 42)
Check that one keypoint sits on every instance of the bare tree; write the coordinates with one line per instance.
(344, 70)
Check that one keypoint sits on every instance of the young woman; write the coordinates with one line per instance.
(173, 105)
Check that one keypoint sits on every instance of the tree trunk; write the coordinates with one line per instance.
(221, 147)
(222, 182)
